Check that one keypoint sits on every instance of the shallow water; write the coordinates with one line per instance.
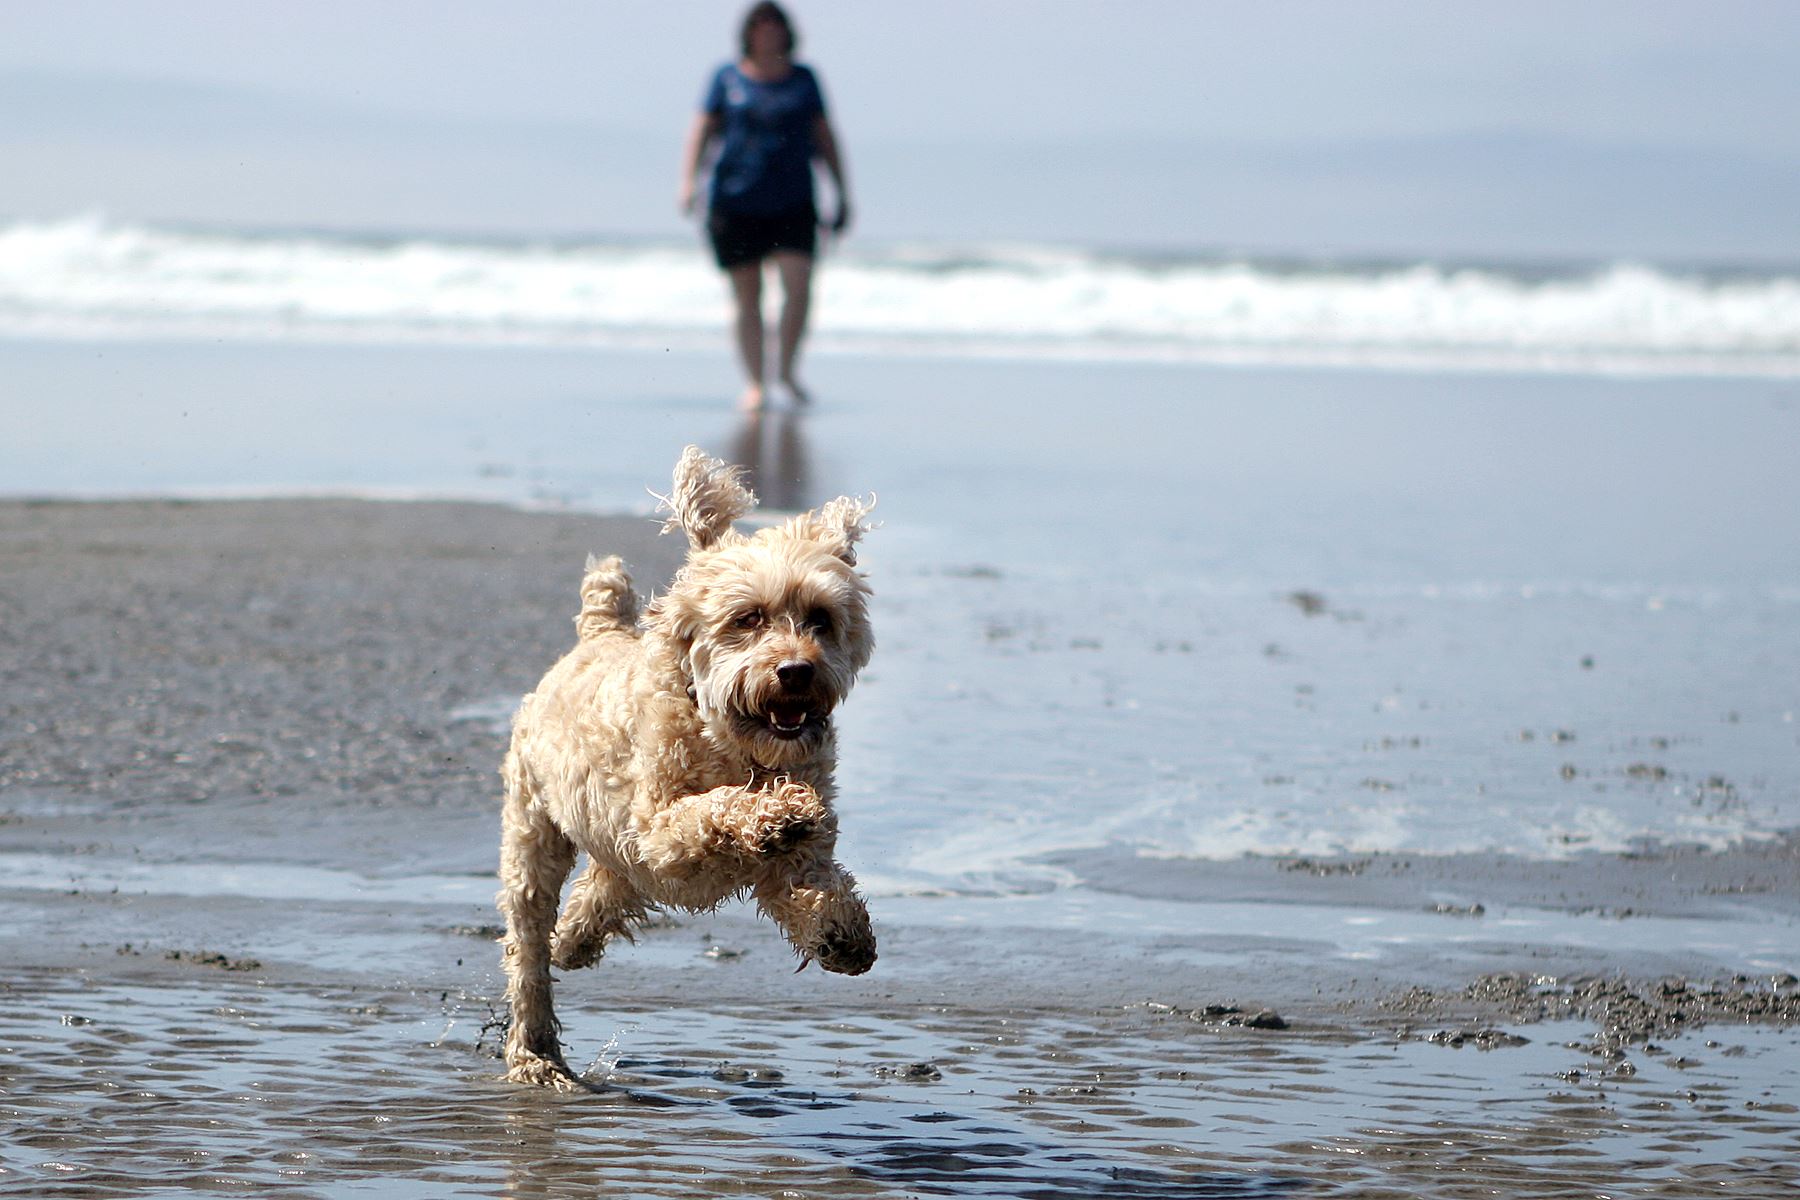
(1195, 612)
(122, 1089)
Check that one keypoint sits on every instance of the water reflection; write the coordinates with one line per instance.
(772, 449)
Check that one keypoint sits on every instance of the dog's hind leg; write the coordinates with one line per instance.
(599, 908)
(535, 858)
(821, 915)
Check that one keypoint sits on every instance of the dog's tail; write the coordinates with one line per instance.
(608, 601)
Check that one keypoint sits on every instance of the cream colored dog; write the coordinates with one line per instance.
(689, 754)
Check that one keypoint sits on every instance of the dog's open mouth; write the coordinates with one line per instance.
(789, 719)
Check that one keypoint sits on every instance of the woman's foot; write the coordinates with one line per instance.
(797, 394)
(752, 399)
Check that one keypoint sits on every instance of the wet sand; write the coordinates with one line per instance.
(247, 804)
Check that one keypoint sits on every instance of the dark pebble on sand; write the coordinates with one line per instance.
(919, 1072)
(1310, 603)
(1481, 1039)
(212, 958)
(1459, 910)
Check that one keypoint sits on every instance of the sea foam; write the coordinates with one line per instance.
(90, 277)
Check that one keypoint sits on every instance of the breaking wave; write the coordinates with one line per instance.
(93, 278)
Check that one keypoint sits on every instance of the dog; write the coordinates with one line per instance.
(689, 752)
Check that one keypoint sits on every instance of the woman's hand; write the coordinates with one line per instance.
(700, 135)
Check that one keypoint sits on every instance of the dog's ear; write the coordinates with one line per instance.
(676, 615)
(709, 495)
(839, 524)
(673, 614)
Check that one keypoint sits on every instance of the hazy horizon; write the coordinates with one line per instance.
(1601, 130)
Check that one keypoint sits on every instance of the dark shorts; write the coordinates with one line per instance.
(740, 238)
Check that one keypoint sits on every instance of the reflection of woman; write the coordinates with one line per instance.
(776, 463)
(767, 114)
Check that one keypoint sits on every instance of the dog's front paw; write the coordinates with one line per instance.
(572, 952)
(785, 816)
(841, 939)
(846, 950)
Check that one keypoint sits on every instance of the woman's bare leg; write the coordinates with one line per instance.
(796, 301)
(746, 294)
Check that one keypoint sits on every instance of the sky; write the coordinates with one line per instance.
(1150, 120)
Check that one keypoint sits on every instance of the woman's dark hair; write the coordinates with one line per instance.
(767, 10)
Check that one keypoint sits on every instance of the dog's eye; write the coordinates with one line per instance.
(749, 620)
(819, 621)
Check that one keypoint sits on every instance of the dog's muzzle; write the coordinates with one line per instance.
(794, 711)
(790, 719)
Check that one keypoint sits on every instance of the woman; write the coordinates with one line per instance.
(767, 114)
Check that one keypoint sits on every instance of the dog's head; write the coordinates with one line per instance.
(771, 628)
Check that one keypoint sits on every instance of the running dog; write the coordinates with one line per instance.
(688, 752)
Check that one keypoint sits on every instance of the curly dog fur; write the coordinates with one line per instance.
(688, 752)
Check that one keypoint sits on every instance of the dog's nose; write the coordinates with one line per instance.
(795, 673)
